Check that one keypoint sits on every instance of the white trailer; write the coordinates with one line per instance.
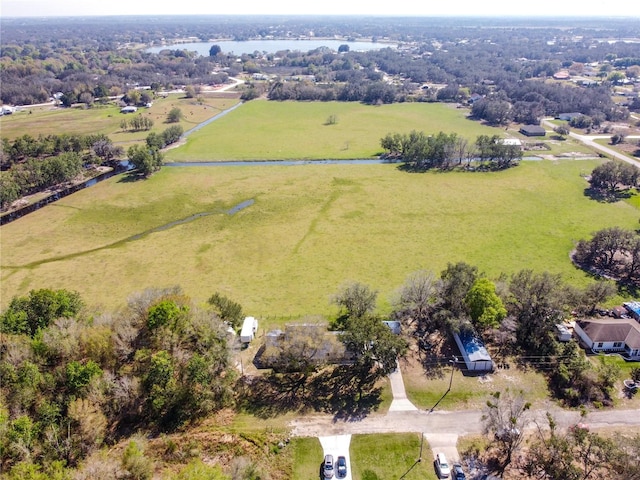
(249, 329)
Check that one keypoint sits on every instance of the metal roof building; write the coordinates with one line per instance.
(473, 351)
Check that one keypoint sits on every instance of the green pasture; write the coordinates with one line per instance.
(106, 119)
(310, 229)
(261, 130)
(388, 455)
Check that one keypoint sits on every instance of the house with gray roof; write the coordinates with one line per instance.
(611, 335)
(533, 131)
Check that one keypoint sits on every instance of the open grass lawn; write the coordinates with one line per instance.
(426, 386)
(310, 229)
(307, 457)
(385, 456)
(298, 130)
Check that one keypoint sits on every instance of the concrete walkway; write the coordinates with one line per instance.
(400, 401)
(439, 442)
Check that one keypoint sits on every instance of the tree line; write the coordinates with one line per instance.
(34, 164)
(420, 151)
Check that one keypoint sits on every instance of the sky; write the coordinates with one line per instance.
(45, 8)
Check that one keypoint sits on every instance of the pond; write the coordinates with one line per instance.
(270, 46)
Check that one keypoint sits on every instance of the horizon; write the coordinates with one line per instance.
(549, 9)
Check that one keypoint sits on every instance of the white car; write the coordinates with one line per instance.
(444, 471)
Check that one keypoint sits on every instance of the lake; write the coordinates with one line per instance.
(270, 46)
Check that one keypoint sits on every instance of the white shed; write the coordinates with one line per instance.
(249, 329)
(563, 333)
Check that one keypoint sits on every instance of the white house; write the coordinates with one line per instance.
(610, 335)
(473, 351)
(249, 329)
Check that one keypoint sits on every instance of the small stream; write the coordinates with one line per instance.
(124, 166)
(232, 211)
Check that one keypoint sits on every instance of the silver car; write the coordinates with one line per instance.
(327, 467)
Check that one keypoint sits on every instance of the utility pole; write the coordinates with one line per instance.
(453, 362)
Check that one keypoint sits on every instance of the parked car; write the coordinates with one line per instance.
(327, 468)
(458, 473)
(442, 466)
(341, 467)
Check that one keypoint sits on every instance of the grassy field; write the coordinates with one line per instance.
(298, 130)
(307, 457)
(373, 457)
(106, 119)
(469, 391)
(310, 229)
(384, 456)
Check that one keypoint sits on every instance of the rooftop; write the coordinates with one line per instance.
(473, 346)
(624, 330)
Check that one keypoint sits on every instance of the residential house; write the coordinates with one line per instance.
(533, 131)
(611, 335)
(312, 340)
(568, 116)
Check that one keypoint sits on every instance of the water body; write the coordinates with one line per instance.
(280, 163)
(270, 46)
(232, 211)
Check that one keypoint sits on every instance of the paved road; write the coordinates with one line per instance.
(588, 140)
(463, 422)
